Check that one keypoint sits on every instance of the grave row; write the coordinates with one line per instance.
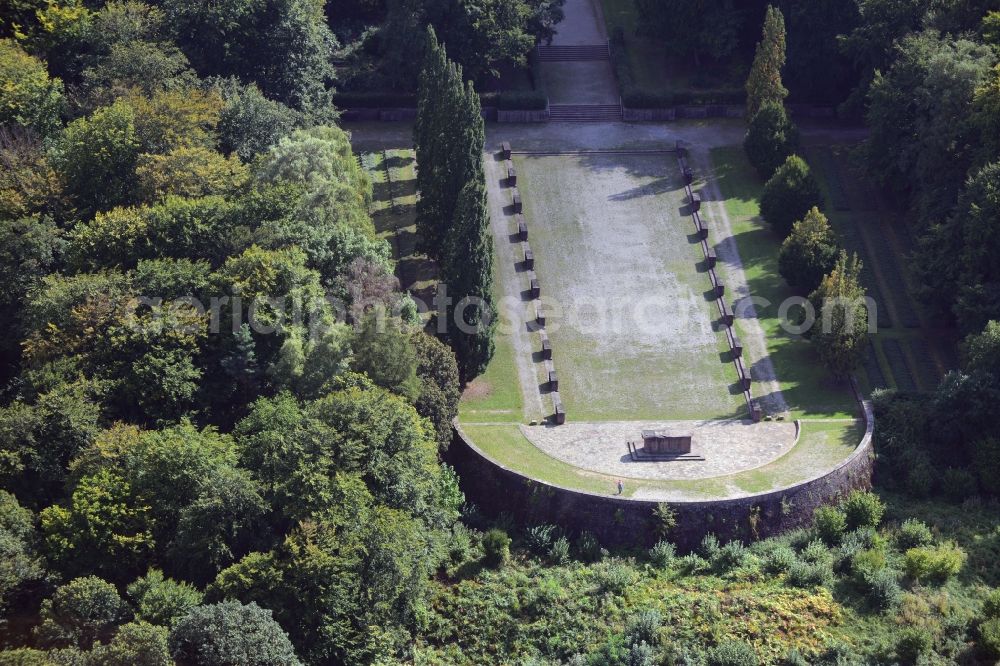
(718, 288)
(534, 286)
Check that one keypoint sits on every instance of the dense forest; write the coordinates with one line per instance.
(222, 422)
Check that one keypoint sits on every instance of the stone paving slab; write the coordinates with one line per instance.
(727, 446)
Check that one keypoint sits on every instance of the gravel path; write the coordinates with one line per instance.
(512, 311)
(726, 446)
(766, 387)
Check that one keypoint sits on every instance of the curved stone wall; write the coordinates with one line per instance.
(618, 521)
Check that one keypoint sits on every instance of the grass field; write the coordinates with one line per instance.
(614, 254)
(821, 446)
(806, 386)
(394, 189)
(902, 354)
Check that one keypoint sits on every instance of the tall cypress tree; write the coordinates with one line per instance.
(468, 271)
(764, 83)
(430, 137)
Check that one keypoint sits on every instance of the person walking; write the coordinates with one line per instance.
(621, 487)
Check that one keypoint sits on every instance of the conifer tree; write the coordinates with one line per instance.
(764, 83)
(841, 329)
(429, 139)
(468, 270)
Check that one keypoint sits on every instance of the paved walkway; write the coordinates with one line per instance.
(726, 446)
(580, 82)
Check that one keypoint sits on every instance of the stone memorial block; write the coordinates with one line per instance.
(756, 413)
(522, 229)
(511, 174)
(539, 313)
(505, 150)
(546, 348)
(529, 257)
(727, 314)
(695, 202)
(737, 347)
(745, 377)
(711, 258)
(666, 441)
(553, 381)
(535, 288)
(688, 176)
(516, 199)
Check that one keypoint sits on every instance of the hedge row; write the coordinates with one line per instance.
(508, 100)
(637, 97)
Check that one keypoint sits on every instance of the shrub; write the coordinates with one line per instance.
(863, 509)
(692, 564)
(460, 544)
(794, 658)
(732, 653)
(779, 559)
(662, 554)
(867, 562)
(588, 548)
(816, 552)
(709, 547)
(921, 477)
(913, 534)
(809, 252)
(913, 642)
(986, 457)
(770, 139)
(644, 627)
(665, 519)
(865, 538)
(496, 545)
(806, 575)
(989, 637)
(934, 564)
(789, 194)
(991, 605)
(615, 578)
(830, 524)
(883, 588)
(540, 537)
(559, 553)
(731, 556)
(958, 484)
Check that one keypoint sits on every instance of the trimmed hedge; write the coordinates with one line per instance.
(521, 100)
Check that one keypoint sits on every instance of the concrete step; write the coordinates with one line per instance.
(582, 52)
(585, 112)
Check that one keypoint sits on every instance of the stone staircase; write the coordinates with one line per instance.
(574, 53)
(585, 113)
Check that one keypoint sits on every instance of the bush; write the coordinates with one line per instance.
(989, 637)
(770, 139)
(615, 578)
(913, 534)
(779, 559)
(540, 537)
(731, 556)
(231, 633)
(732, 653)
(559, 553)
(496, 545)
(644, 627)
(913, 642)
(588, 548)
(806, 575)
(934, 564)
(662, 554)
(866, 562)
(958, 484)
(986, 458)
(709, 547)
(665, 519)
(830, 524)
(883, 588)
(809, 253)
(790, 193)
(991, 605)
(863, 509)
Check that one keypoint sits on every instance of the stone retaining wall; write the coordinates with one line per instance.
(618, 521)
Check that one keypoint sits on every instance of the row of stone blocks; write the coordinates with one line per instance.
(534, 287)
(718, 288)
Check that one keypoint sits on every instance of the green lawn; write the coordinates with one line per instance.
(807, 386)
(820, 447)
(637, 337)
(495, 396)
